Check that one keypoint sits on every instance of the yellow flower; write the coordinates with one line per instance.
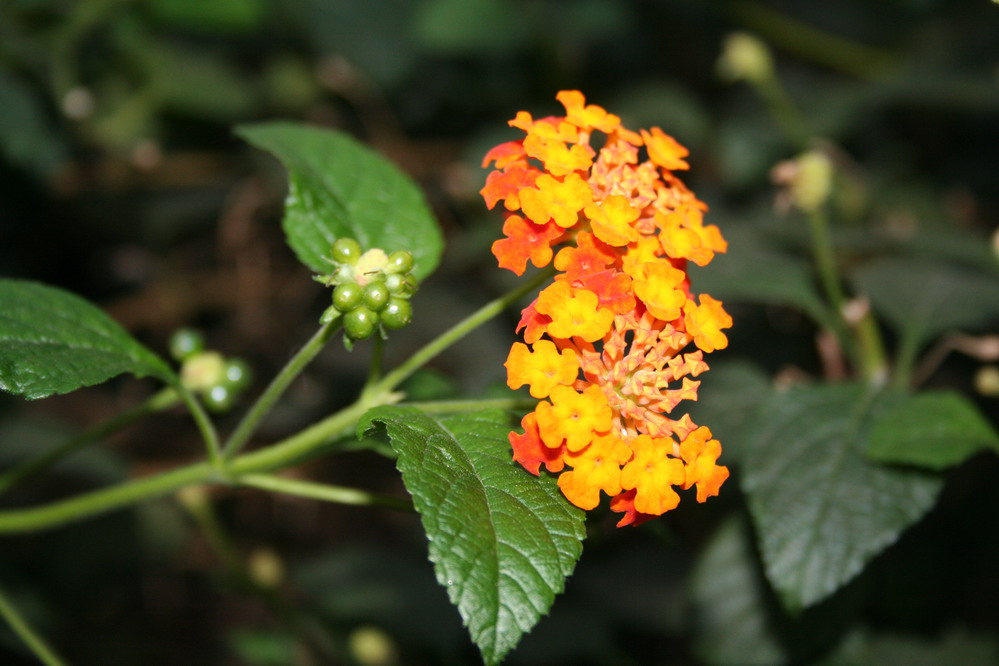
(542, 370)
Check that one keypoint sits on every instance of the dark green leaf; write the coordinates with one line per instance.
(338, 188)
(732, 624)
(936, 429)
(469, 27)
(923, 297)
(752, 271)
(26, 138)
(727, 402)
(52, 341)
(502, 541)
(822, 509)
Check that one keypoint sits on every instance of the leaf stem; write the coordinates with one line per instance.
(458, 331)
(157, 402)
(248, 425)
(204, 423)
(453, 406)
(324, 492)
(27, 634)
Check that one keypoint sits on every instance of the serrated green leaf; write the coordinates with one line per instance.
(937, 430)
(923, 297)
(502, 541)
(52, 341)
(821, 508)
(338, 187)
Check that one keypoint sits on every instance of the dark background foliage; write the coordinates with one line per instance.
(121, 180)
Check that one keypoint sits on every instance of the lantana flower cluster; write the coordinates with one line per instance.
(612, 346)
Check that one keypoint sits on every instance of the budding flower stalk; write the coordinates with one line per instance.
(371, 290)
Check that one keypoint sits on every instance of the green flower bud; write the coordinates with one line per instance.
(346, 251)
(397, 313)
(347, 296)
(202, 371)
(400, 261)
(400, 285)
(360, 323)
(219, 398)
(376, 295)
(238, 374)
(185, 343)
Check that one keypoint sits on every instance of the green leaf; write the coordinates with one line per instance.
(731, 621)
(923, 297)
(52, 341)
(337, 188)
(728, 400)
(27, 138)
(821, 508)
(753, 271)
(502, 541)
(937, 430)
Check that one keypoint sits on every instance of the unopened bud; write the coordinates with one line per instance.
(203, 371)
(987, 381)
(745, 57)
(808, 179)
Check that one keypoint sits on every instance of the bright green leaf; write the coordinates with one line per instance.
(923, 297)
(822, 509)
(52, 341)
(337, 188)
(502, 541)
(936, 429)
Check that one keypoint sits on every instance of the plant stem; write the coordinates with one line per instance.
(157, 402)
(204, 424)
(452, 406)
(458, 331)
(27, 634)
(99, 501)
(248, 425)
(323, 492)
(862, 61)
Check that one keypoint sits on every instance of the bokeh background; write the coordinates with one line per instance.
(121, 180)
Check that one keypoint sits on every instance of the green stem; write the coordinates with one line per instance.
(375, 369)
(784, 112)
(201, 509)
(809, 42)
(458, 331)
(204, 424)
(825, 260)
(161, 400)
(99, 501)
(321, 491)
(26, 633)
(248, 425)
(452, 406)
(905, 360)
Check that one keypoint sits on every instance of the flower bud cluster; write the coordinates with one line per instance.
(218, 379)
(371, 291)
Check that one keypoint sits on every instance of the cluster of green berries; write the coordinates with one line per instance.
(219, 380)
(371, 291)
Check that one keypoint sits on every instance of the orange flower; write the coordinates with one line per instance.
(613, 337)
(525, 240)
(542, 369)
(573, 417)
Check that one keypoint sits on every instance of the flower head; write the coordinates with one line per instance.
(617, 340)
